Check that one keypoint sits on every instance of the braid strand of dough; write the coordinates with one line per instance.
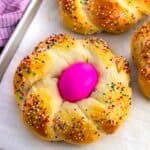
(141, 56)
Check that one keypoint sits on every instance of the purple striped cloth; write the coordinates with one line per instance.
(11, 12)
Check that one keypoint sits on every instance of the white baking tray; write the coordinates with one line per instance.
(134, 134)
(17, 36)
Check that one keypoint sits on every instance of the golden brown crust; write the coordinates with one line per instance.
(91, 16)
(29, 72)
(38, 110)
(111, 16)
(141, 56)
(74, 18)
(73, 126)
(117, 100)
(35, 115)
(53, 119)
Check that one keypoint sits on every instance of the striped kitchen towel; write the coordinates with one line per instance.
(11, 12)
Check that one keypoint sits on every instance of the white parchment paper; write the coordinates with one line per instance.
(133, 135)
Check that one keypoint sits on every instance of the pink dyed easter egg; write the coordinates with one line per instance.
(77, 81)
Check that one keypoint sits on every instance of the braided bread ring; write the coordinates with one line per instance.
(141, 56)
(52, 118)
(92, 16)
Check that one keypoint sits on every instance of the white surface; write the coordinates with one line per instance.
(133, 135)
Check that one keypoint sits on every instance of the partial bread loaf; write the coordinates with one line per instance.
(53, 119)
(141, 56)
(91, 16)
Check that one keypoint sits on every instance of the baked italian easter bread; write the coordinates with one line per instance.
(92, 16)
(73, 90)
(141, 56)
